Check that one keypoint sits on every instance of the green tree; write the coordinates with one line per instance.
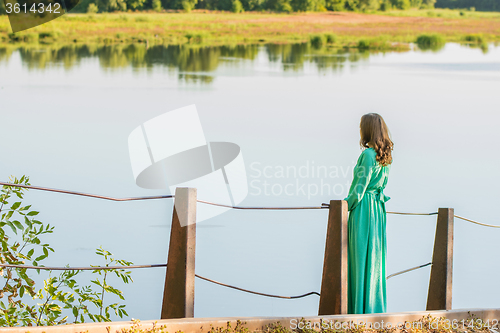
(250, 5)
(365, 5)
(386, 5)
(335, 5)
(401, 4)
(428, 3)
(112, 5)
(307, 5)
(156, 5)
(352, 5)
(236, 6)
(187, 5)
(92, 8)
(133, 4)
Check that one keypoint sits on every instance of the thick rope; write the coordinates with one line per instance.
(472, 221)
(408, 270)
(85, 194)
(196, 275)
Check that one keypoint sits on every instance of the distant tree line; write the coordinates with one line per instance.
(482, 5)
(252, 5)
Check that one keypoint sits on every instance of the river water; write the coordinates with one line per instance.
(67, 113)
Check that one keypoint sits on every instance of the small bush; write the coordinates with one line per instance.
(15, 37)
(330, 38)
(374, 45)
(196, 37)
(317, 41)
(432, 42)
(363, 45)
(92, 8)
(31, 37)
(474, 38)
(48, 34)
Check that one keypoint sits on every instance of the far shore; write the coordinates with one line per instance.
(217, 28)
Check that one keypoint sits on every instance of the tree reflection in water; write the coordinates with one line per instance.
(190, 63)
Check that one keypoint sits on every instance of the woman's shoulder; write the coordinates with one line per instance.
(369, 153)
(368, 156)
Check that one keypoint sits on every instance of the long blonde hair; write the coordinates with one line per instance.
(374, 131)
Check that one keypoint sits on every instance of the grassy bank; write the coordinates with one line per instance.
(216, 28)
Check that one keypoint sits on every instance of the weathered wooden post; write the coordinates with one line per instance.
(333, 299)
(439, 297)
(178, 295)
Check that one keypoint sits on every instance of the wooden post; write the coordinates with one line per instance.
(333, 299)
(440, 286)
(178, 295)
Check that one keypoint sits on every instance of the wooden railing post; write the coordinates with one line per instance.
(178, 295)
(333, 299)
(440, 284)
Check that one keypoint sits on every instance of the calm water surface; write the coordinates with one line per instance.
(67, 112)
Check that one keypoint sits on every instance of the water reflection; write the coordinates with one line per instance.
(190, 63)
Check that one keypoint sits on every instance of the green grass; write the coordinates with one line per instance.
(432, 42)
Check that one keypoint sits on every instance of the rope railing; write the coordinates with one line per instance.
(93, 268)
(472, 221)
(258, 208)
(48, 189)
(409, 270)
(323, 205)
(445, 216)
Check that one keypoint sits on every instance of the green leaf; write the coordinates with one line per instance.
(40, 257)
(18, 225)
(12, 226)
(28, 222)
(25, 207)
(30, 253)
(15, 205)
(33, 213)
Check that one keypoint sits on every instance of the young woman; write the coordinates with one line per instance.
(367, 247)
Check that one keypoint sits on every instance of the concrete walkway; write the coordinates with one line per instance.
(199, 325)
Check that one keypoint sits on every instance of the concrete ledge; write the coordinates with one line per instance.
(199, 325)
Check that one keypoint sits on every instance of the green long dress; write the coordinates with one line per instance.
(367, 247)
